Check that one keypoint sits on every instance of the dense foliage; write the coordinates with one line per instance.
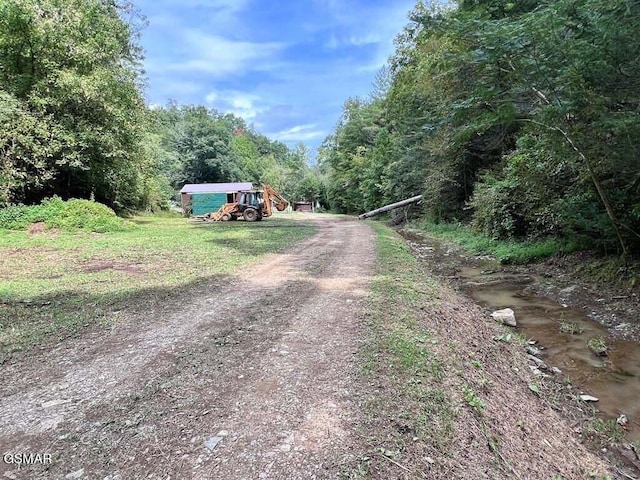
(70, 105)
(198, 145)
(521, 118)
(73, 121)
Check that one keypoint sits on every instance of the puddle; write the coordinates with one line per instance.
(613, 379)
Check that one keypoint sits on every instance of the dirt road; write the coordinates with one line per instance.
(249, 378)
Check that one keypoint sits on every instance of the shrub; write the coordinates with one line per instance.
(74, 214)
(598, 346)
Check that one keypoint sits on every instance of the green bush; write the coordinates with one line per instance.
(72, 215)
(499, 208)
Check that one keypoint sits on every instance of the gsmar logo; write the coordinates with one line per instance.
(27, 458)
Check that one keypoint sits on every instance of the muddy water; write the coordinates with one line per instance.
(614, 379)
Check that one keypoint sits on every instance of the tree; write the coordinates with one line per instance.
(71, 69)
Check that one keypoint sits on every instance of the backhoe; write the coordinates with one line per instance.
(252, 205)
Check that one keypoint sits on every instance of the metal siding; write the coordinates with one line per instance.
(203, 203)
(216, 187)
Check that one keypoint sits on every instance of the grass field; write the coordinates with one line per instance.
(54, 283)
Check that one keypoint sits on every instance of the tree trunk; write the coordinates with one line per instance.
(391, 206)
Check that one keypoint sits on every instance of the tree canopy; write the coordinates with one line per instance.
(521, 118)
(73, 121)
(70, 103)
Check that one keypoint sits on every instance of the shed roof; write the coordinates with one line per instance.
(216, 187)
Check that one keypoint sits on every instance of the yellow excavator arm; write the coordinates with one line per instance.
(270, 195)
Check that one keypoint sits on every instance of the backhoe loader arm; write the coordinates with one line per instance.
(271, 195)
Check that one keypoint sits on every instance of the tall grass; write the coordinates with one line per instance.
(506, 251)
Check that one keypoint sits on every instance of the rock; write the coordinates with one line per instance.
(506, 316)
(536, 371)
(539, 363)
(588, 398)
(568, 290)
(212, 442)
(533, 351)
(76, 474)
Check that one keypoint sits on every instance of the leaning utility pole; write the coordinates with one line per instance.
(392, 206)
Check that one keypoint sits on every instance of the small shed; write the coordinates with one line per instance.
(302, 207)
(203, 198)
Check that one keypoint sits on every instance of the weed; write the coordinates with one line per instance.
(609, 429)
(509, 252)
(503, 337)
(72, 215)
(473, 400)
(598, 346)
(521, 339)
(400, 347)
(572, 328)
(485, 384)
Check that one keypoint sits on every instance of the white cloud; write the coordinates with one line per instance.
(299, 133)
(352, 40)
(218, 56)
(367, 39)
(241, 104)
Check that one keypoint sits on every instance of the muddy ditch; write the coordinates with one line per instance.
(564, 321)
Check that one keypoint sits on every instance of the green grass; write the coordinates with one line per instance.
(606, 431)
(509, 252)
(400, 350)
(53, 284)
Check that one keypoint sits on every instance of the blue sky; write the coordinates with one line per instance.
(285, 67)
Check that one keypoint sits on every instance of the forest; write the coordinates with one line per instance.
(520, 119)
(75, 123)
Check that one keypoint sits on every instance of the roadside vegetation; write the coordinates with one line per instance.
(58, 281)
(506, 251)
(71, 215)
(400, 364)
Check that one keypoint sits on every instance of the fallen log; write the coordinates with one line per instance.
(391, 206)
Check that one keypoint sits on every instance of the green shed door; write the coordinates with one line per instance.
(203, 203)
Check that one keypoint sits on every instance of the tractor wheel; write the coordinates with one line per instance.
(226, 217)
(250, 215)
